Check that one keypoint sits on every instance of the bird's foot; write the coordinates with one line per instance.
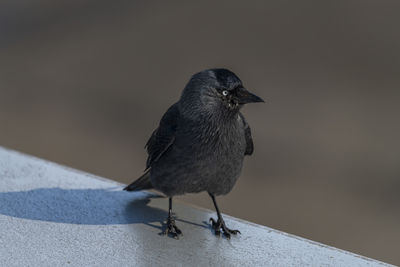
(220, 225)
(171, 229)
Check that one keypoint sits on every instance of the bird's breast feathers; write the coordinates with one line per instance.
(213, 138)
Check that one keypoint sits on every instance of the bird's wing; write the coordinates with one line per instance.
(247, 134)
(163, 137)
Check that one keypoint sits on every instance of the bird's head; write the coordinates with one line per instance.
(216, 90)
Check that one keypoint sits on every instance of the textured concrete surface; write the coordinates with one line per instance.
(51, 215)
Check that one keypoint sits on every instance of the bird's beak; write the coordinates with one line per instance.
(245, 97)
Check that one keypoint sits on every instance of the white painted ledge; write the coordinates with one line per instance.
(51, 215)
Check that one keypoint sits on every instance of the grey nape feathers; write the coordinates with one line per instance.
(200, 143)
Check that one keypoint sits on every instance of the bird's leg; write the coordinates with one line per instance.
(171, 229)
(220, 223)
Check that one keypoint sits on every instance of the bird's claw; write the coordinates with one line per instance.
(220, 225)
(171, 229)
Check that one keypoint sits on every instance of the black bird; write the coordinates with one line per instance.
(200, 143)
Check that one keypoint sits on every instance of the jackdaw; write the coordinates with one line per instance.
(200, 143)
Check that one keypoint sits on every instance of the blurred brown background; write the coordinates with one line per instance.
(84, 83)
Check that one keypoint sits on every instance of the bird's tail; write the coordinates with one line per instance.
(142, 183)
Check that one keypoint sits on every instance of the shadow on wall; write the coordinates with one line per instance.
(81, 206)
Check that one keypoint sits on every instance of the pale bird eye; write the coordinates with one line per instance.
(224, 93)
